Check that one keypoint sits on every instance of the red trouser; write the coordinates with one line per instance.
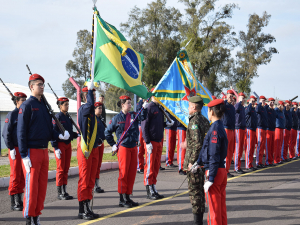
(87, 173)
(293, 143)
(230, 148)
(239, 142)
(278, 144)
(35, 182)
(270, 142)
(127, 158)
(152, 163)
(298, 143)
(171, 143)
(16, 180)
(285, 144)
(251, 137)
(181, 135)
(63, 164)
(141, 151)
(217, 199)
(261, 144)
(100, 149)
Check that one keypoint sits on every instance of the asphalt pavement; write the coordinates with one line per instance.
(266, 196)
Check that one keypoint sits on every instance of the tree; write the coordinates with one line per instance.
(253, 52)
(79, 68)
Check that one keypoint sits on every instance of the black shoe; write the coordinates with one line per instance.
(123, 201)
(172, 165)
(280, 162)
(95, 215)
(150, 193)
(99, 190)
(29, 221)
(229, 175)
(262, 166)
(21, 202)
(156, 192)
(141, 171)
(65, 193)
(250, 169)
(232, 162)
(258, 167)
(15, 203)
(240, 171)
(84, 212)
(288, 160)
(36, 220)
(198, 219)
(60, 195)
(162, 168)
(181, 172)
(134, 204)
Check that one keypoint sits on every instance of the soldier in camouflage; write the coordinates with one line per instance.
(196, 131)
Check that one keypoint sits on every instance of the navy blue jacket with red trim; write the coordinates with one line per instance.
(271, 118)
(214, 149)
(100, 130)
(288, 119)
(35, 128)
(9, 132)
(262, 117)
(251, 117)
(229, 116)
(280, 119)
(240, 120)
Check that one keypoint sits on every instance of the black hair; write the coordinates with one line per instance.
(199, 106)
(102, 96)
(15, 99)
(219, 110)
(120, 102)
(59, 103)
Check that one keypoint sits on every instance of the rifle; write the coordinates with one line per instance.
(257, 97)
(50, 110)
(293, 98)
(102, 119)
(68, 115)
(12, 96)
(223, 93)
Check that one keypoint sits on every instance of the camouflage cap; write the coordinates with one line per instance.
(195, 99)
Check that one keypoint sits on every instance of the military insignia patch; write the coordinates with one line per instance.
(20, 111)
(110, 121)
(214, 132)
(214, 140)
(6, 120)
(194, 127)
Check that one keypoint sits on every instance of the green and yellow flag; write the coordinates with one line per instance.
(114, 61)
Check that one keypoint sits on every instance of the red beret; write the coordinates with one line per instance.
(36, 76)
(97, 104)
(230, 92)
(295, 103)
(20, 94)
(242, 94)
(125, 97)
(213, 97)
(287, 101)
(63, 99)
(234, 97)
(215, 102)
(85, 89)
(262, 97)
(152, 89)
(280, 103)
(271, 99)
(252, 97)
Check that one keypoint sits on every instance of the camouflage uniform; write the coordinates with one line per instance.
(196, 131)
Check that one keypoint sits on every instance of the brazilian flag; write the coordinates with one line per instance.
(114, 61)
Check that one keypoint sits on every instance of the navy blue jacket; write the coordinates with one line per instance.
(229, 116)
(100, 131)
(288, 119)
(298, 114)
(153, 124)
(9, 132)
(240, 120)
(262, 117)
(138, 107)
(87, 111)
(117, 125)
(214, 149)
(176, 123)
(271, 118)
(67, 124)
(294, 119)
(251, 117)
(35, 128)
(280, 119)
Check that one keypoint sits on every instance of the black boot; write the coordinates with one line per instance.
(150, 193)
(36, 220)
(156, 193)
(83, 211)
(95, 215)
(28, 220)
(123, 201)
(64, 192)
(98, 189)
(15, 203)
(198, 219)
(21, 202)
(60, 195)
(130, 200)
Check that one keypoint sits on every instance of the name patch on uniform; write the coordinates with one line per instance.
(214, 140)
(35, 109)
(6, 120)
(20, 111)
(194, 127)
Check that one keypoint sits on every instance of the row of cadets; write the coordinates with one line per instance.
(63, 149)
(34, 131)
(9, 134)
(101, 138)
(127, 153)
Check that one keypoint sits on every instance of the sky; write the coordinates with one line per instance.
(42, 34)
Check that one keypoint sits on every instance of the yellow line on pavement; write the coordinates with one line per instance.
(173, 196)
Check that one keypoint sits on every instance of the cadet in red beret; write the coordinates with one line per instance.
(293, 140)
(16, 181)
(280, 125)
(270, 137)
(287, 131)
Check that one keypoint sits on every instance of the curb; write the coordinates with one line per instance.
(4, 181)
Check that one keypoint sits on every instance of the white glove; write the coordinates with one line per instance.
(61, 137)
(195, 167)
(66, 135)
(12, 154)
(114, 148)
(145, 105)
(207, 185)
(58, 153)
(90, 85)
(27, 164)
(169, 124)
(149, 148)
